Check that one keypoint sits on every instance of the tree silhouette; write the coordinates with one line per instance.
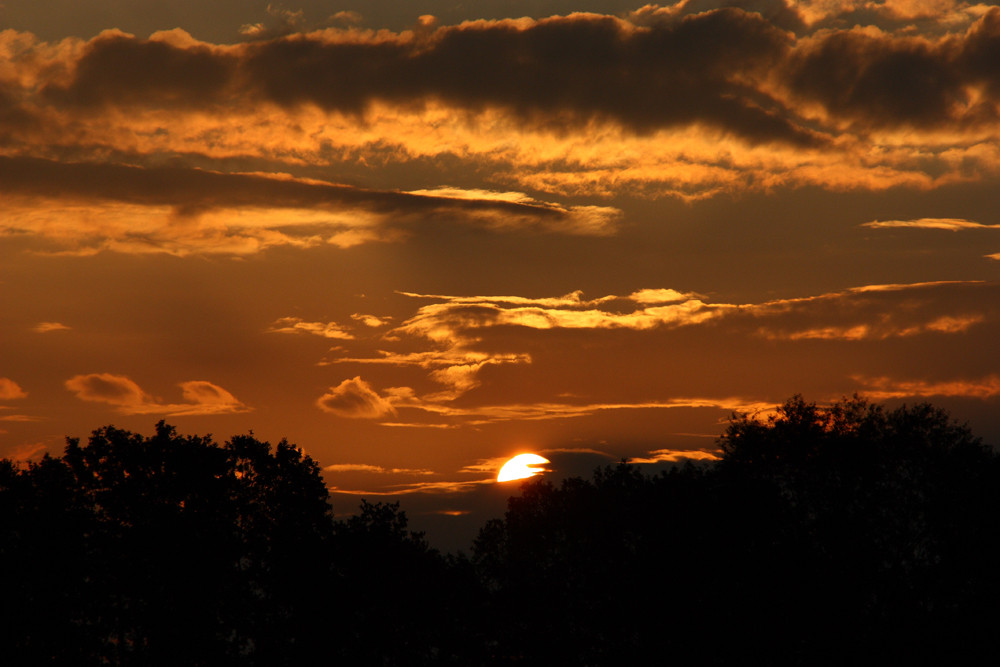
(891, 515)
(824, 533)
(165, 550)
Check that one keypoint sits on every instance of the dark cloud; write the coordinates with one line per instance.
(191, 191)
(980, 53)
(117, 68)
(879, 79)
(556, 71)
(730, 69)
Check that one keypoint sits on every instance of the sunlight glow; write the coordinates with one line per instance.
(522, 466)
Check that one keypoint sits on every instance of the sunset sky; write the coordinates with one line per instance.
(419, 238)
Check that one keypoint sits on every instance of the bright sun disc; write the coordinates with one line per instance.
(521, 467)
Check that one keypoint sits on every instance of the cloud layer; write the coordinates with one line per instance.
(127, 138)
(457, 340)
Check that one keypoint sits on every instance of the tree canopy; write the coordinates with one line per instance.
(825, 533)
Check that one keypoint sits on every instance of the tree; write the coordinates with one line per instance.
(824, 533)
(891, 515)
(400, 601)
(166, 550)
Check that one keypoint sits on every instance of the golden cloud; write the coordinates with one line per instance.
(949, 224)
(355, 398)
(685, 101)
(296, 325)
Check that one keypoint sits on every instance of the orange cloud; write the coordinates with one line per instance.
(465, 334)
(949, 224)
(203, 398)
(10, 390)
(880, 388)
(677, 455)
(786, 97)
(100, 206)
(364, 467)
(296, 325)
(371, 320)
(45, 327)
(355, 398)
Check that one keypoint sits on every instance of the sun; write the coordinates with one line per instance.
(521, 467)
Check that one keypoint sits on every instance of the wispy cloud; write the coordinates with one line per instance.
(460, 336)
(949, 224)
(364, 467)
(371, 320)
(124, 208)
(443, 486)
(677, 455)
(119, 391)
(46, 327)
(296, 325)
(880, 388)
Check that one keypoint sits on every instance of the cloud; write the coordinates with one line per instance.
(692, 100)
(574, 68)
(881, 388)
(371, 320)
(677, 455)
(457, 317)
(30, 451)
(444, 486)
(356, 399)
(949, 224)
(364, 467)
(296, 325)
(45, 327)
(105, 206)
(10, 390)
(486, 414)
(119, 391)
(455, 338)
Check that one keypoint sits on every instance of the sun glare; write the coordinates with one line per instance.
(521, 467)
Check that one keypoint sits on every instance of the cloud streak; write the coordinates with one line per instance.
(121, 392)
(97, 206)
(455, 338)
(948, 224)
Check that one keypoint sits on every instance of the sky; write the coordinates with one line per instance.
(419, 238)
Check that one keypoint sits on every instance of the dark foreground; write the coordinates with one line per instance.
(839, 535)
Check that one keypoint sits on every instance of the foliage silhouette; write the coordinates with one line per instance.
(822, 535)
(825, 535)
(165, 550)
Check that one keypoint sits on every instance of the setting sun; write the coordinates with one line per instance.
(521, 466)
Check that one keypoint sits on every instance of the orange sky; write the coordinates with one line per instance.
(417, 242)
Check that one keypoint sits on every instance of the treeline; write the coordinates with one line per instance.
(825, 535)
